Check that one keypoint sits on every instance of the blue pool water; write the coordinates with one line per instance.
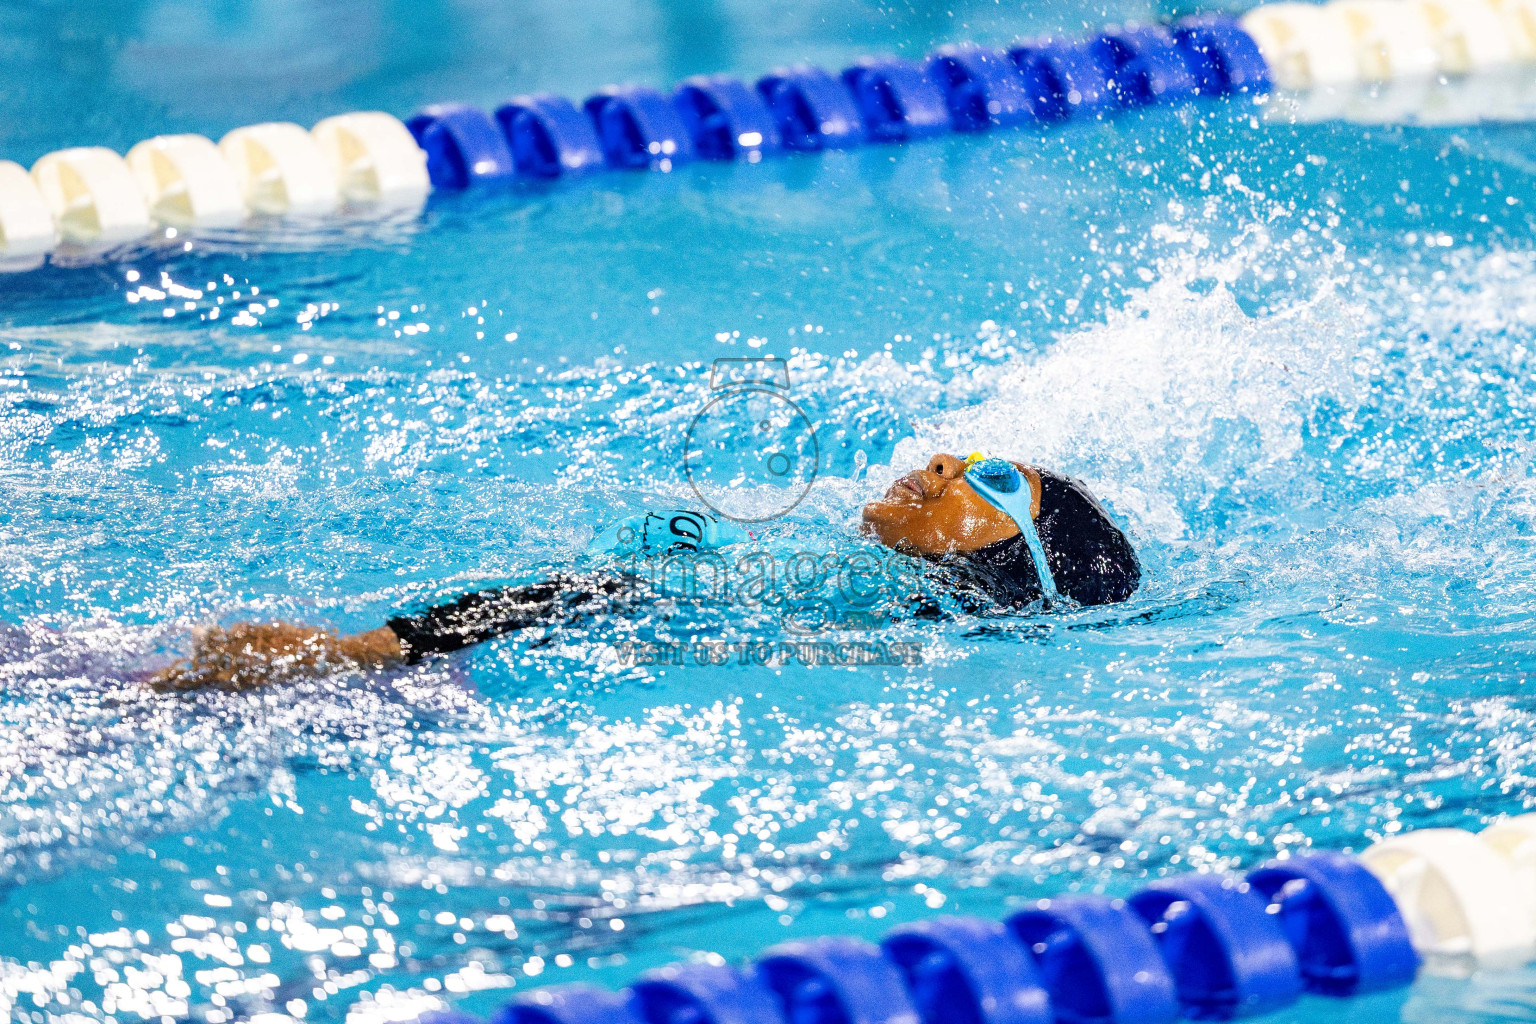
(1296, 361)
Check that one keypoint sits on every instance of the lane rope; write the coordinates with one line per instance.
(1195, 947)
(1375, 60)
(91, 200)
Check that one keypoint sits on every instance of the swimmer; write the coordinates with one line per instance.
(1001, 535)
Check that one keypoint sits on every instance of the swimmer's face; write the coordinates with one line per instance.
(934, 511)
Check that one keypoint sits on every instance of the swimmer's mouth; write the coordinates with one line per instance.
(908, 485)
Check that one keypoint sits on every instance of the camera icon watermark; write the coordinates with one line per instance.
(751, 453)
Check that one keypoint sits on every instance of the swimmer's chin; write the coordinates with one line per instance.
(875, 517)
(881, 523)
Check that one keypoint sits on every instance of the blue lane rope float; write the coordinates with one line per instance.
(1065, 80)
(1197, 947)
(813, 110)
(1145, 65)
(1348, 935)
(92, 199)
(702, 994)
(638, 127)
(726, 119)
(982, 88)
(1228, 956)
(572, 1004)
(897, 99)
(1098, 961)
(463, 145)
(549, 136)
(1224, 58)
(969, 969)
(836, 980)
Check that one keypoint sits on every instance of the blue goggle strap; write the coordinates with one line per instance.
(1016, 507)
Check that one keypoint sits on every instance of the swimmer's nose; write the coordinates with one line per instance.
(946, 466)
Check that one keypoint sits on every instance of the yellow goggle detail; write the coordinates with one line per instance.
(973, 458)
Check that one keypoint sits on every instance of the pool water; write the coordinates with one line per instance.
(1296, 361)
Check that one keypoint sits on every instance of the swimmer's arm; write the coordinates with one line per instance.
(376, 648)
(255, 654)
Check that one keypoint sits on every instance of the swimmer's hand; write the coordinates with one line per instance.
(251, 654)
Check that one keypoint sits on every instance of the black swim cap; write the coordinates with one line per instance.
(1090, 558)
